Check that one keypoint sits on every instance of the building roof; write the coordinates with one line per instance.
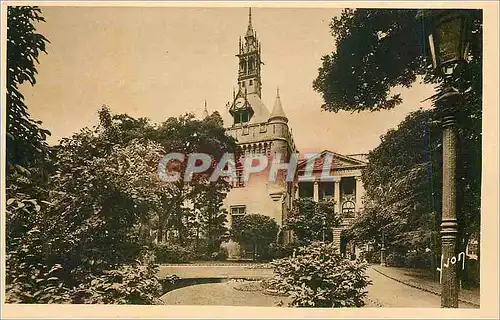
(261, 113)
(278, 111)
(339, 161)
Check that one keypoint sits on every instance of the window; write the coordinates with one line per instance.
(250, 82)
(306, 190)
(245, 117)
(348, 209)
(238, 211)
(239, 183)
(325, 190)
(348, 185)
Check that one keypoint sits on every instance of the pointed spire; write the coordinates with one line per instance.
(250, 27)
(278, 111)
(205, 110)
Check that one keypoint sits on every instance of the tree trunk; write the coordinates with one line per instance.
(159, 235)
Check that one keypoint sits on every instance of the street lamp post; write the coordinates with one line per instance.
(448, 46)
(382, 251)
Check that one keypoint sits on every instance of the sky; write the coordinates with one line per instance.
(161, 62)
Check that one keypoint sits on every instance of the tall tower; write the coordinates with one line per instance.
(247, 106)
(249, 55)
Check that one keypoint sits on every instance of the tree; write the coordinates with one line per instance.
(208, 199)
(403, 189)
(377, 50)
(309, 220)
(88, 234)
(188, 135)
(394, 53)
(255, 230)
(184, 200)
(25, 140)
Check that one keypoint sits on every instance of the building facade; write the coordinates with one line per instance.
(260, 132)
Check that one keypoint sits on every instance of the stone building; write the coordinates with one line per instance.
(260, 132)
(342, 185)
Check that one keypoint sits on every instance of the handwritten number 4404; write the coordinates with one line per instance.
(452, 260)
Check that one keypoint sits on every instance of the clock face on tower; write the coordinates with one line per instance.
(239, 103)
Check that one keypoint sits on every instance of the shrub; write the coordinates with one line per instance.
(210, 250)
(319, 277)
(172, 253)
(372, 256)
(136, 284)
(220, 255)
(418, 260)
(395, 259)
(255, 230)
(471, 274)
(278, 251)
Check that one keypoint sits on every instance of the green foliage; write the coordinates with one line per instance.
(319, 277)
(132, 284)
(403, 182)
(278, 251)
(207, 249)
(90, 226)
(309, 219)
(402, 185)
(472, 273)
(403, 178)
(30, 277)
(360, 77)
(418, 259)
(255, 230)
(104, 197)
(25, 139)
(372, 256)
(186, 134)
(172, 253)
(89, 244)
(377, 50)
(395, 259)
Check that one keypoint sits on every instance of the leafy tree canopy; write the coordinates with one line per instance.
(377, 50)
(25, 139)
(403, 187)
(254, 229)
(309, 219)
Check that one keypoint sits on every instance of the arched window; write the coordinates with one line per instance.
(348, 209)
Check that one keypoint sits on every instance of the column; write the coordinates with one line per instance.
(359, 193)
(382, 252)
(336, 194)
(316, 191)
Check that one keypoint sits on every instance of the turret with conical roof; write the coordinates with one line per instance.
(278, 113)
